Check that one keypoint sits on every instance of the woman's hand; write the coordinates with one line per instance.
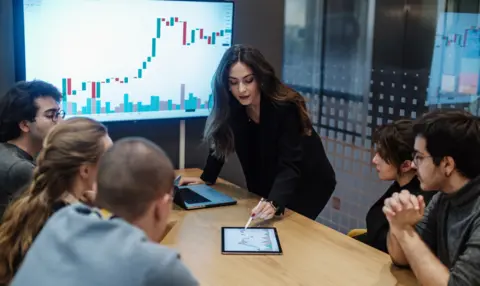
(264, 210)
(190, 181)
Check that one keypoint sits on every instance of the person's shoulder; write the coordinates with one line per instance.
(66, 215)
(19, 175)
(20, 172)
(21, 168)
(164, 266)
(434, 203)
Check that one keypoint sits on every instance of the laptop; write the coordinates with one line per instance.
(199, 196)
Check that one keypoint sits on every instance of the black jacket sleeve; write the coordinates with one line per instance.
(212, 169)
(289, 158)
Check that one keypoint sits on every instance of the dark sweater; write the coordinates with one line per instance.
(16, 170)
(377, 224)
(451, 228)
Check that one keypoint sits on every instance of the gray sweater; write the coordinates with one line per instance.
(78, 247)
(451, 228)
(16, 170)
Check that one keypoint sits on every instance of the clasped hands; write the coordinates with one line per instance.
(404, 210)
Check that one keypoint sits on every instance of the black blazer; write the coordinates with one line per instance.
(377, 224)
(286, 167)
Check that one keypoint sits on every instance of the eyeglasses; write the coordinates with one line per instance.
(56, 115)
(417, 159)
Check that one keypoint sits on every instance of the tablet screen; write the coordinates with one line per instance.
(251, 240)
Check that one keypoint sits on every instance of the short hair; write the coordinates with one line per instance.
(18, 105)
(131, 175)
(454, 133)
(395, 141)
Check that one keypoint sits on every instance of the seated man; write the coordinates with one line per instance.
(79, 246)
(441, 243)
(393, 162)
(27, 112)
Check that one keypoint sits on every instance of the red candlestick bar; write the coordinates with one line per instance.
(184, 33)
(93, 89)
(69, 86)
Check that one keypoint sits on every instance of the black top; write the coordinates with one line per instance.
(16, 170)
(254, 158)
(279, 163)
(377, 224)
(451, 228)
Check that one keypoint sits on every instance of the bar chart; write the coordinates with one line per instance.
(157, 64)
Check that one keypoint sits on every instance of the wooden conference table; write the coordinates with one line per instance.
(313, 254)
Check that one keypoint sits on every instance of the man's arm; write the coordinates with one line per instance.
(426, 266)
(395, 250)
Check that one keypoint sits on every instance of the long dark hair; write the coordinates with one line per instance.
(218, 134)
(67, 146)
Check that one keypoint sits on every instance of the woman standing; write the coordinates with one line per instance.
(267, 124)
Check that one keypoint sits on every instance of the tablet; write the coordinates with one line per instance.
(253, 240)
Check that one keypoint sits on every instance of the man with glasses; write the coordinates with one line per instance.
(441, 242)
(27, 112)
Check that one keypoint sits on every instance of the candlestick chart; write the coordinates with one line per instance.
(128, 60)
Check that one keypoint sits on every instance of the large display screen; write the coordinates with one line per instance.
(127, 59)
(455, 73)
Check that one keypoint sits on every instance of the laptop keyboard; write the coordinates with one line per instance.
(190, 197)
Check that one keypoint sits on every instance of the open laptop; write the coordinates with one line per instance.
(199, 196)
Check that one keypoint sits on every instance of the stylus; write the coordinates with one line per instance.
(248, 222)
(251, 217)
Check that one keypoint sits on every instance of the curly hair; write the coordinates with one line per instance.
(19, 104)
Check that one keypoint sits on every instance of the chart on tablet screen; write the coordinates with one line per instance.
(258, 240)
(251, 240)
